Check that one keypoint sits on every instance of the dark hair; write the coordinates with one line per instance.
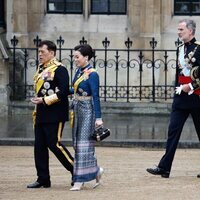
(85, 50)
(50, 45)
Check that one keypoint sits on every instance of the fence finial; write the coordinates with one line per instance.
(83, 41)
(128, 43)
(37, 41)
(106, 42)
(153, 43)
(14, 41)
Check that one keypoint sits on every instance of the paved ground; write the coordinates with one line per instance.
(125, 176)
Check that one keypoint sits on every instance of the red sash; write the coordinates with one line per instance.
(186, 80)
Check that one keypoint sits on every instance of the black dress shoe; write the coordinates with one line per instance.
(72, 182)
(39, 185)
(158, 171)
(198, 175)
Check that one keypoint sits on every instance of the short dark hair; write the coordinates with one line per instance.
(85, 50)
(50, 45)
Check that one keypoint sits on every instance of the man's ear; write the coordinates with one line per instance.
(52, 53)
(191, 31)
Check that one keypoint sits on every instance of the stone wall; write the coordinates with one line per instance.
(145, 19)
(26, 19)
(4, 93)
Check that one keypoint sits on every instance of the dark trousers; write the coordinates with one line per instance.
(47, 136)
(177, 121)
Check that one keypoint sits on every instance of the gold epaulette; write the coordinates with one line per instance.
(198, 43)
(56, 62)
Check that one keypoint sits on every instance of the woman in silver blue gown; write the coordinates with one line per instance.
(87, 116)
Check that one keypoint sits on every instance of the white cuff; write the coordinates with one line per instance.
(191, 87)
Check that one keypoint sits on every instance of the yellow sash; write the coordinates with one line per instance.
(50, 67)
(83, 77)
(77, 82)
(80, 79)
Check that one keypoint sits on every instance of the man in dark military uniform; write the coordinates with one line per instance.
(51, 113)
(186, 99)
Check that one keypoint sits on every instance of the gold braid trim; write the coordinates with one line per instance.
(196, 42)
(194, 76)
(194, 73)
(34, 117)
(49, 100)
(51, 66)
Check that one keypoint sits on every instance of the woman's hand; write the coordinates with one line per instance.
(98, 122)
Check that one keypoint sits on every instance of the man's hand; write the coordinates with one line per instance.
(185, 88)
(178, 89)
(37, 100)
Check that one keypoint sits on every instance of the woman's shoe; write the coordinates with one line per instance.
(98, 178)
(77, 186)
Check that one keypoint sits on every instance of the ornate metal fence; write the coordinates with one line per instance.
(126, 75)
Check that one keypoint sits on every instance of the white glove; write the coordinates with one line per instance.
(190, 92)
(179, 89)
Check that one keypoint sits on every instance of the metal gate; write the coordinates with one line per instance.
(126, 75)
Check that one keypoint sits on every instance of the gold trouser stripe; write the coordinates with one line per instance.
(60, 147)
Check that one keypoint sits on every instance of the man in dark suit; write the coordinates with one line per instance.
(186, 99)
(50, 114)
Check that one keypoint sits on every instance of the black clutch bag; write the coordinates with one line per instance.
(100, 133)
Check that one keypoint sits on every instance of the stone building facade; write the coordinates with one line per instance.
(144, 19)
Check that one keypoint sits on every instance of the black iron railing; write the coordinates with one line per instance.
(126, 74)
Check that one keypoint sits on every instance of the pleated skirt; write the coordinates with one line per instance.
(85, 162)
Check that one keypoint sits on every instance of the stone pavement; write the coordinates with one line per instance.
(125, 176)
(125, 168)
